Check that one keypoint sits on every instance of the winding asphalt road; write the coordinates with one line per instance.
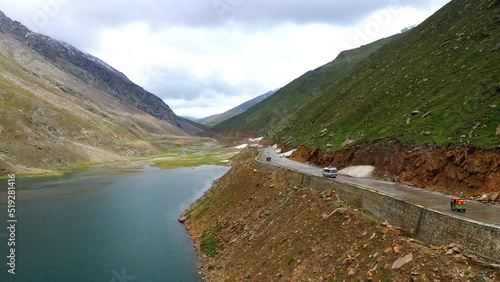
(476, 211)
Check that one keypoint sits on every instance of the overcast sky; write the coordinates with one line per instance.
(204, 57)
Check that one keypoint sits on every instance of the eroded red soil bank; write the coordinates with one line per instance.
(451, 170)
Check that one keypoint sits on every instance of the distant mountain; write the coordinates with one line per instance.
(62, 107)
(90, 69)
(265, 115)
(218, 118)
(191, 118)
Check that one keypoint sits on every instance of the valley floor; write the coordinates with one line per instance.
(168, 153)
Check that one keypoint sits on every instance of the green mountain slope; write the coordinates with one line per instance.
(438, 84)
(265, 115)
(90, 69)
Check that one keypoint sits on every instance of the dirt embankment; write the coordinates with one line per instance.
(450, 170)
(256, 226)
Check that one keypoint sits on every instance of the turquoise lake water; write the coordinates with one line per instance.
(106, 225)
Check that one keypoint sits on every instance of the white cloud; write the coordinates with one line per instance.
(204, 106)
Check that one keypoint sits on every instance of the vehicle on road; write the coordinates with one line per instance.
(268, 159)
(458, 204)
(330, 172)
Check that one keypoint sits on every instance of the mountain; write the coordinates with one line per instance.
(218, 118)
(265, 115)
(437, 84)
(62, 107)
(90, 69)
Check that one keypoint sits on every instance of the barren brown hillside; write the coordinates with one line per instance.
(255, 226)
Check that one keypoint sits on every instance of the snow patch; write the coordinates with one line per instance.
(287, 154)
(102, 63)
(242, 146)
(255, 139)
(361, 171)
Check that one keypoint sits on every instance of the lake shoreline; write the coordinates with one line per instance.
(126, 217)
(190, 159)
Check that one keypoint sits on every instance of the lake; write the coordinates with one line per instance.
(109, 225)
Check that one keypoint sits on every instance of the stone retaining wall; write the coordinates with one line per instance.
(430, 226)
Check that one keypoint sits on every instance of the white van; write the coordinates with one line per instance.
(330, 171)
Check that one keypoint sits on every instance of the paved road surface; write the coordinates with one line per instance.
(437, 201)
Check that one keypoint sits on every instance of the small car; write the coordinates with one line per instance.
(330, 172)
(268, 159)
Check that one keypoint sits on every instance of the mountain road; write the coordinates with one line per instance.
(476, 211)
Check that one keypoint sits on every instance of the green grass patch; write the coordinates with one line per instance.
(209, 242)
(198, 210)
(191, 158)
(228, 205)
(203, 207)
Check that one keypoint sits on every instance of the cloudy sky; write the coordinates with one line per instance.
(206, 56)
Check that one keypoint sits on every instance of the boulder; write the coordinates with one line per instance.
(495, 196)
(347, 142)
(329, 193)
(402, 261)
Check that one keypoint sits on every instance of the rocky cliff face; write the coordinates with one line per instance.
(90, 69)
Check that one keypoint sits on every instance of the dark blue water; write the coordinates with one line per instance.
(105, 225)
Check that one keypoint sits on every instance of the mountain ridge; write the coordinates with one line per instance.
(218, 118)
(438, 84)
(91, 69)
